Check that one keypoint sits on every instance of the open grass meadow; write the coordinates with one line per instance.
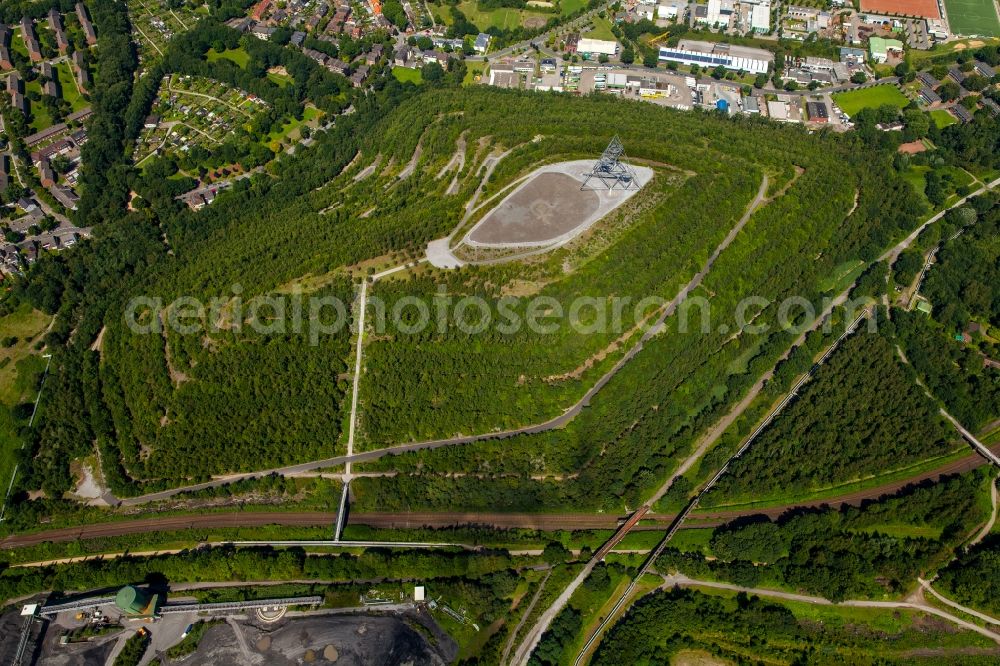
(567, 7)
(238, 56)
(407, 74)
(19, 331)
(472, 70)
(870, 98)
(601, 30)
(942, 118)
(20, 367)
(503, 17)
(67, 86)
(973, 17)
(289, 129)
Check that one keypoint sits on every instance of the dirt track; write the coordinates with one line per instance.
(969, 462)
(544, 521)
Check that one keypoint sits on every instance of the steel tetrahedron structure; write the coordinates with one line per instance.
(611, 171)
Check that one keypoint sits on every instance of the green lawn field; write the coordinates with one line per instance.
(472, 70)
(942, 118)
(238, 56)
(602, 30)
(280, 79)
(504, 18)
(20, 368)
(67, 85)
(973, 17)
(290, 126)
(404, 74)
(870, 98)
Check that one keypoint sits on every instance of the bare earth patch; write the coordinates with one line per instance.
(550, 208)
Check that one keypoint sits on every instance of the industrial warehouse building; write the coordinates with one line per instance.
(591, 47)
(710, 55)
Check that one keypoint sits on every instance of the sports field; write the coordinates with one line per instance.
(973, 17)
(870, 98)
(924, 8)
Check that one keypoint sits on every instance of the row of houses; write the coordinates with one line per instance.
(57, 129)
(30, 39)
(15, 87)
(6, 62)
(30, 35)
(85, 24)
(59, 30)
(81, 72)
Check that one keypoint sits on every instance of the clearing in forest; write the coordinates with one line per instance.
(550, 208)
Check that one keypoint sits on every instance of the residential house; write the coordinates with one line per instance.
(30, 39)
(984, 70)
(297, 38)
(928, 96)
(80, 116)
(17, 98)
(440, 57)
(50, 81)
(15, 83)
(402, 57)
(56, 26)
(337, 66)
(88, 27)
(318, 56)
(962, 113)
(64, 195)
(374, 54)
(47, 174)
(82, 73)
(260, 10)
(482, 43)
(359, 76)
(240, 24)
(264, 32)
(5, 35)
